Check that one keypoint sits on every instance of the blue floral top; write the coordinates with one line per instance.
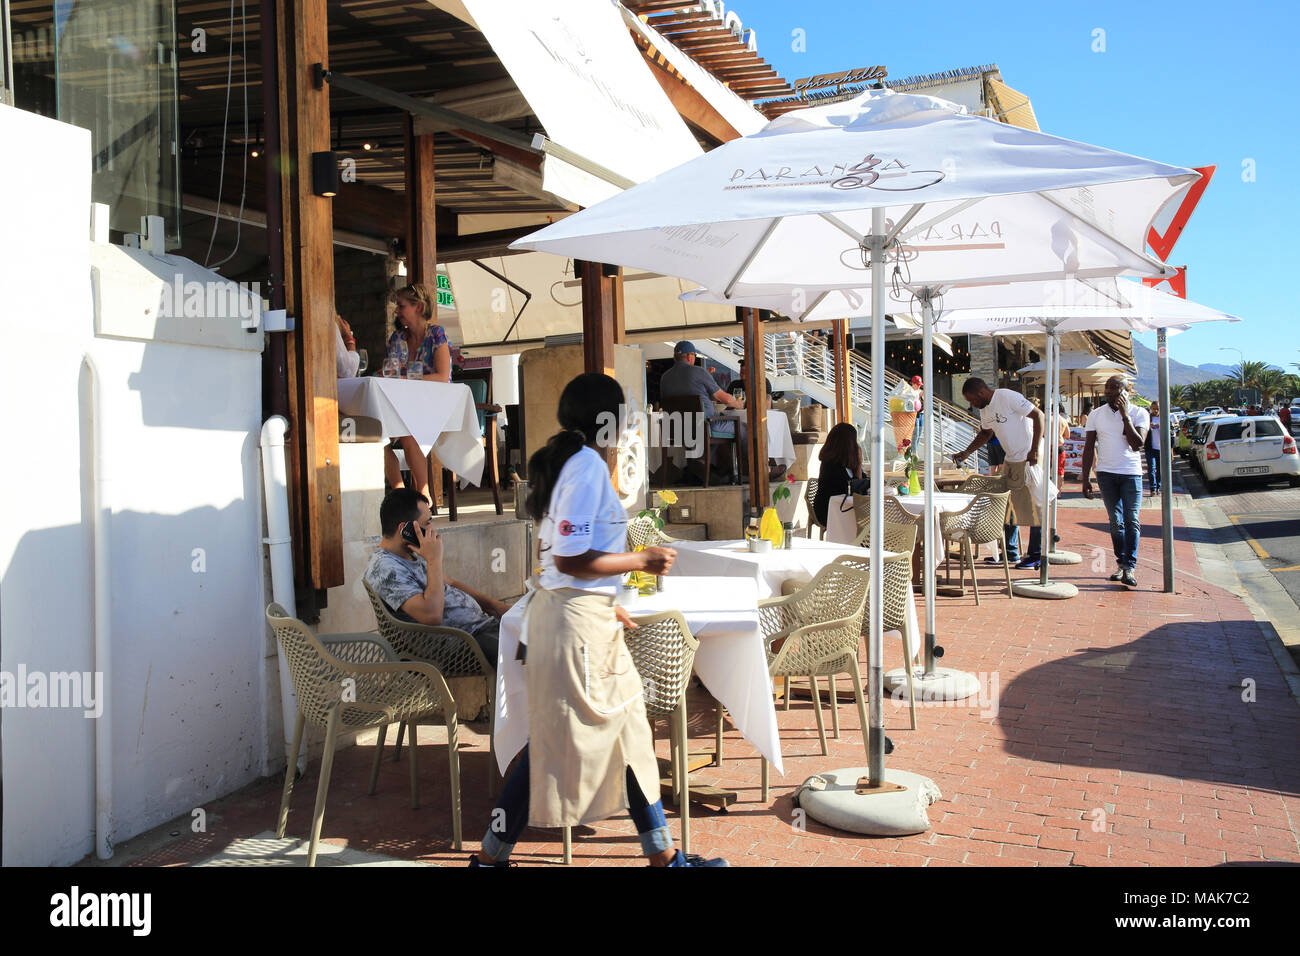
(434, 336)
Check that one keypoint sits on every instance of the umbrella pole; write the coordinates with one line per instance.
(1164, 461)
(875, 645)
(937, 683)
(1050, 554)
(1043, 588)
(896, 795)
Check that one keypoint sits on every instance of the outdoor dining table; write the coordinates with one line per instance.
(440, 416)
(731, 661)
(770, 570)
(780, 443)
(842, 522)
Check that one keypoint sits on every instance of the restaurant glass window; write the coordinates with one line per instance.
(108, 66)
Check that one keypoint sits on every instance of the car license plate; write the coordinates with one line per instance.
(1263, 470)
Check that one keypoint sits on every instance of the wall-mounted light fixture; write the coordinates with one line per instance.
(325, 174)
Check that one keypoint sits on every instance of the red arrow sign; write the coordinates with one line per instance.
(1162, 245)
(1177, 283)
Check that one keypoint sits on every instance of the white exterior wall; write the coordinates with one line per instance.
(188, 683)
(45, 583)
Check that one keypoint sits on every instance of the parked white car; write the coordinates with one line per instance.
(1257, 446)
(1200, 433)
(1212, 410)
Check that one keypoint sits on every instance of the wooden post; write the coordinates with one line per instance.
(843, 408)
(756, 406)
(602, 314)
(421, 233)
(422, 245)
(603, 325)
(309, 296)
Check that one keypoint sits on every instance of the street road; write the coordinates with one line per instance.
(1266, 515)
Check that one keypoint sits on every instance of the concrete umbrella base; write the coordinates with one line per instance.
(1052, 591)
(943, 684)
(1064, 557)
(898, 809)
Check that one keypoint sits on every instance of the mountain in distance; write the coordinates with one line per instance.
(1179, 374)
(1217, 370)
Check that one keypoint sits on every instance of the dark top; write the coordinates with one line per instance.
(684, 380)
(832, 480)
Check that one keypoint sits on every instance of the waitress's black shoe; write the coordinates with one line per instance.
(691, 859)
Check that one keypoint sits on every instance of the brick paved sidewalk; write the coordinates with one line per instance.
(1120, 737)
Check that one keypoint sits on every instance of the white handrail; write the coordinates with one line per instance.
(800, 355)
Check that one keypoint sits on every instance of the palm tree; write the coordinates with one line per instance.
(1247, 374)
(1271, 381)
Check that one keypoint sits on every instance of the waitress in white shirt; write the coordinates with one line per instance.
(590, 752)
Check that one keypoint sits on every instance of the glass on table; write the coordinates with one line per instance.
(415, 370)
(390, 368)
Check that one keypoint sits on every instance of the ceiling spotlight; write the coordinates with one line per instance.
(367, 146)
(255, 154)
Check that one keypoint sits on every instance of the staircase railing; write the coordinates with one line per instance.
(795, 359)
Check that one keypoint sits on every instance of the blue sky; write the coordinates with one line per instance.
(1193, 84)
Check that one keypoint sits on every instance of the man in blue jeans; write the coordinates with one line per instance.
(1114, 437)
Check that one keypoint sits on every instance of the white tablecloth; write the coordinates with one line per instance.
(440, 416)
(730, 661)
(780, 443)
(733, 559)
(842, 525)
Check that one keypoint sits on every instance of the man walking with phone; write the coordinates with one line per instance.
(1114, 437)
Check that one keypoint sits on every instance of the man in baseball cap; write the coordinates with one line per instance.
(685, 378)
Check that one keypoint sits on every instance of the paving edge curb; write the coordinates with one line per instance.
(1232, 565)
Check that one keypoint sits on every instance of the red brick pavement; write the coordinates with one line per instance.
(1120, 737)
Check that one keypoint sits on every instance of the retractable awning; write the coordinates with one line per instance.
(584, 79)
(487, 306)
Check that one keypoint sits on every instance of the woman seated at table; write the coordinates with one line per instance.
(416, 339)
(841, 459)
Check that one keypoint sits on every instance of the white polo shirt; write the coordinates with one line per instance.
(1113, 452)
(584, 515)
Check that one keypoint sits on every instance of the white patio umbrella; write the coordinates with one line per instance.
(1143, 310)
(1080, 369)
(821, 197)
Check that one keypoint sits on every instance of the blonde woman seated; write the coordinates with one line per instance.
(416, 339)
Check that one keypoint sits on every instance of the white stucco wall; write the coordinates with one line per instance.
(189, 642)
(45, 607)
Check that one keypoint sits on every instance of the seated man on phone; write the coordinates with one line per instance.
(406, 572)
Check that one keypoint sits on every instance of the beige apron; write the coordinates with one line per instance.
(1023, 508)
(586, 716)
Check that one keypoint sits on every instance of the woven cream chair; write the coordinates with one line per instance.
(901, 527)
(809, 494)
(352, 682)
(452, 651)
(663, 651)
(996, 484)
(817, 629)
(980, 522)
(642, 532)
(896, 586)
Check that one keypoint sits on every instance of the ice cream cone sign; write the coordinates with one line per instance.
(904, 403)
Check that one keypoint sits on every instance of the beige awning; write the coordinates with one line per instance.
(584, 78)
(486, 306)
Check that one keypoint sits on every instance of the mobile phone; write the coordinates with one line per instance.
(410, 535)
